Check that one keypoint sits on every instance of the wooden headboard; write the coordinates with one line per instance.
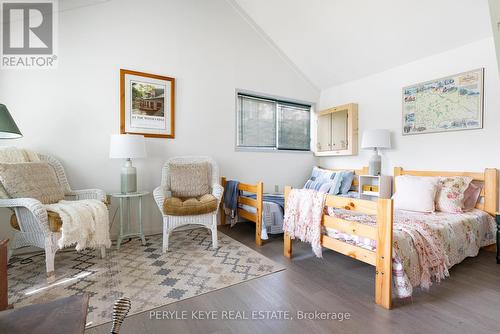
(488, 179)
(358, 172)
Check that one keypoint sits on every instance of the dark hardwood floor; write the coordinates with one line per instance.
(467, 302)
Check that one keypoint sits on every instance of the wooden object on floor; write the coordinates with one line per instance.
(4, 296)
(287, 249)
(497, 218)
(66, 315)
(381, 258)
(258, 190)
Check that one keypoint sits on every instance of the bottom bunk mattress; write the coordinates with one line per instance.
(273, 211)
(455, 235)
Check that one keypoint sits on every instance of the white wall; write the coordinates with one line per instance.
(494, 6)
(379, 99)
(210, 50)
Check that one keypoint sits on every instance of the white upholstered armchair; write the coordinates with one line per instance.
(37, 227)
(181, 205)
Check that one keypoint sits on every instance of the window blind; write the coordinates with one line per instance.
(294, 127)
(257, 126)
(272, 124)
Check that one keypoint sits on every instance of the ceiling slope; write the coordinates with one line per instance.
(334, 41)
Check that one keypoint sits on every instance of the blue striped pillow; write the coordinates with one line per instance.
(320, 180)
(336, 183)
(347, 178)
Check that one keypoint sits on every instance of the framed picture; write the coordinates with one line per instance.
(147, 104)
(447, 104)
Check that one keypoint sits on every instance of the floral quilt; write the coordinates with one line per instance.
(458, 235)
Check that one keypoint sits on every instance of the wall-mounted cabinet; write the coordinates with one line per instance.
(337, 131)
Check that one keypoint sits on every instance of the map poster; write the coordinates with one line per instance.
(447, 104)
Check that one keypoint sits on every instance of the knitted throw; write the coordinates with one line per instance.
(303, 212)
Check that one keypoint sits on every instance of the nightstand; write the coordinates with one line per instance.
(373, 187)
(125, 200)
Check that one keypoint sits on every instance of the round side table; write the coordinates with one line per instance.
(125, 200)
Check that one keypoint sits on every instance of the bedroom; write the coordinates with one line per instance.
(212, 55)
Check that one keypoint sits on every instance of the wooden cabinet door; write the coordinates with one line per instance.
(324, 133)
(339, 130)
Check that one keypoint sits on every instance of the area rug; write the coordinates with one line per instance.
(142, 273)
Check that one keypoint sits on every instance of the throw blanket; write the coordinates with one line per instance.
(430, 249)
(85, 223)
(433, 261)
(231, 194)
(304, 209)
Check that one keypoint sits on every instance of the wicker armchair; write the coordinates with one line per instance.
(33, 219)
(171, 222)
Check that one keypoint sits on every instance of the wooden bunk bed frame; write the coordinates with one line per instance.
(488, 178)
(489, 191)
(381, 258)
(258, 190)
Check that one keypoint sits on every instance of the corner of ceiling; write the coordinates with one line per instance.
(271, 43)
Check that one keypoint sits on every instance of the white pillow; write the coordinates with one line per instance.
(415, 193)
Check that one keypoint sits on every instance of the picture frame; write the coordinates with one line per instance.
(451, 103)
(147, 104)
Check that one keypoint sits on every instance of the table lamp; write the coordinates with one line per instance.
(376, 139)
(8, 128)
(127, 147)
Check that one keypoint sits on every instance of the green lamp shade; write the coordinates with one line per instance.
(8, 128)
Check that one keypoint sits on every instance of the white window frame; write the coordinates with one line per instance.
(278, 101)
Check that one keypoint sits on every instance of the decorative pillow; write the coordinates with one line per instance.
(33, 180)
(415, 193)
(320, 180)
(15, 155)
(471, 196)
(450, 195)
(347, 178)
(189, 179)
(336, 183)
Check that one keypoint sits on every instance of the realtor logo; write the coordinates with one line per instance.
(28, 34)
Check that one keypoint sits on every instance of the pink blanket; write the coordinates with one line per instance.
(430, 249)
(303, 213)
(428, 244)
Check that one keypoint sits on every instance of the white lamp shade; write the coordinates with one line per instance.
(378, 138)
(127, 147)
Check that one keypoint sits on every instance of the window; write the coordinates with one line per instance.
(272, 124)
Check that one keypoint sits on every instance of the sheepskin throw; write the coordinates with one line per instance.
(84, 223)
(31, 179)
(189, 179)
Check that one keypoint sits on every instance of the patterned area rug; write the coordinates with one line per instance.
(142, 273)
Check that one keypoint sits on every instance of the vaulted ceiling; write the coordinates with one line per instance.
(334, 41)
